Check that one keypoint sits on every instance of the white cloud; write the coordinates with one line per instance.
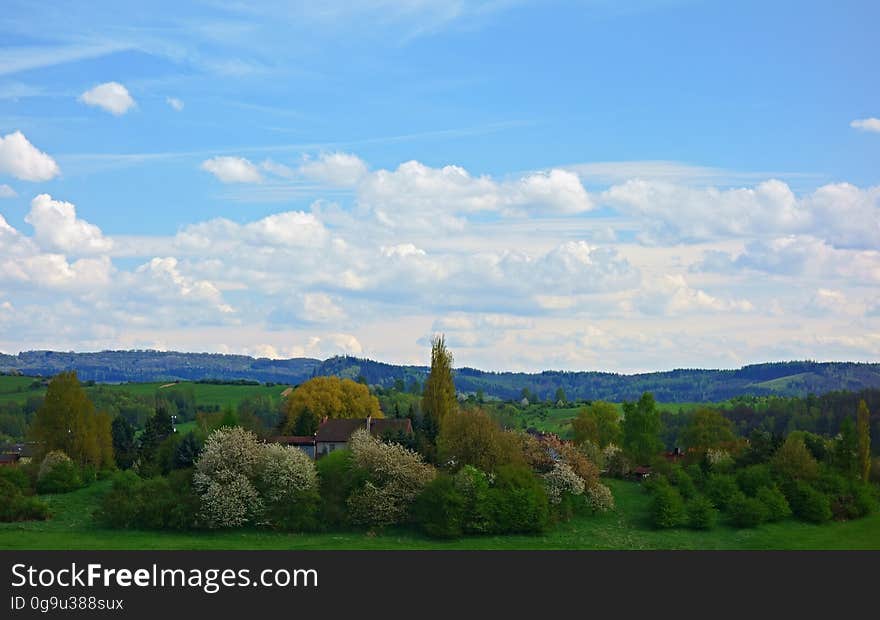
(112, 97)
(279, 170)
(866, 124)
(672, 295)
(56, 227)
(339, 169)
(162, 278)
(232, 169)
(7, 192)
(843, 214)
(24, 161)
(401, 251)
(175, 104)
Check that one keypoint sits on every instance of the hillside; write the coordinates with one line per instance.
(681, 385)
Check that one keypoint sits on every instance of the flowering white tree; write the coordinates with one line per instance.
(284, 470)
(599, 498)
(562, 480)
(395, 477)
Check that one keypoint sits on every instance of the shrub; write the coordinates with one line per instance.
(579, 463)
(807, 503)
(288, 484)
(599, 498)
(440, 509)
(746, 512)
(337, 477)
(15, 506)
(856, 500)
(17, 477)
(57, 474)
(159, 503)
(701, 513)
(775, 505)
(754, 477)
(684, 483)
(721, 489)
(719, 460)
(394, 478)
(667, 507)
(517, 502)
(473, 485)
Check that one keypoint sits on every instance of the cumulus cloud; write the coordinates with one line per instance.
(339, 169)
(175, 104)
(56, 227)
(21, 159)
(672, 295)
(232, 169)
(797, 256)
(162, 278)
(842, 213)
(112, 97)
(866, 124)
(7, 192)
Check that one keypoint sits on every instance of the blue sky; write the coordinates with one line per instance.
(558, 184)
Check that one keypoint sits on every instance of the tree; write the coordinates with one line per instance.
(123, 442)
(473, 438)
(846, 450)
(863, 431)
(707, 429)
(793, 460)
(438, 398)
(329, 397)
(560, 395)
(306, 423)
(157, 429)
(598, 423)
(641, 429)
(67, 421)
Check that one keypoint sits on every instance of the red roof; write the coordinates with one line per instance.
(294, 440)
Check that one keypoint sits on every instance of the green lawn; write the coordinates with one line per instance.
(72, 528)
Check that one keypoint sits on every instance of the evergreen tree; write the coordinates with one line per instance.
(863, 431)
(438, 399)
(187, 451)
(306, 423)
(123, 442)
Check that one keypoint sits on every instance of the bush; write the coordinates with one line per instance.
(517, 502)
(855, 501)
(775, 504)
(746, 512)
(684, 483)
(440, 509)
(17, 477)
(288, 485)
(721, 489)
(667, 507)
(473, 485)
(395, 476)
(701, 513)
(754, 477)
(16, 506)
(57, 474)
(599, 498)
(159, 503)
(807, 503)
(337, 477)
(561, 481)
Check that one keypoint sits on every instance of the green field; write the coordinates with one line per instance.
(625, 528)
(16, 389)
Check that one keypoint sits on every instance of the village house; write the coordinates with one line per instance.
(333, 434)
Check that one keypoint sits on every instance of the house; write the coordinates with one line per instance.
(306, 443)
(641, 473)
(10, 459)
(24, 451)
(334, 434)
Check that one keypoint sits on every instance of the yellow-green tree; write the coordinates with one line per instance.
(599, 423)
(330, 397)
(67, 421)
(472, 437)
(863, 430)
(438, 399)
(707, 429)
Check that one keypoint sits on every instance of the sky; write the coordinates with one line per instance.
(556, 184)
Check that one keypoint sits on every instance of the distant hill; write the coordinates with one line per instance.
(682, 385)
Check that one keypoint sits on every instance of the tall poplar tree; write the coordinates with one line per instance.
(438, 398)
(863, 430)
